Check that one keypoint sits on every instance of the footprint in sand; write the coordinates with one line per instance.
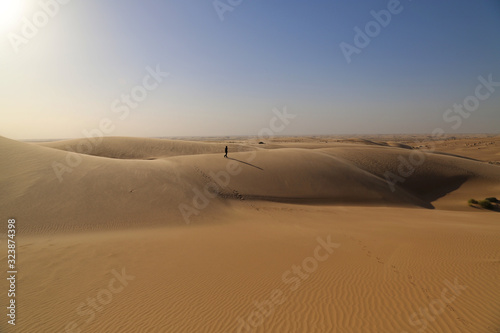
(464, 321)
(410, 279)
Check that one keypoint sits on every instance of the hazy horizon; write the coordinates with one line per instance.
(66, 67)
(251, 136)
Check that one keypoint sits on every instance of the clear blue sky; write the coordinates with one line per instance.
(225, 77)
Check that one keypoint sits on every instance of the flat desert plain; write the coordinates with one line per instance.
(296, 234)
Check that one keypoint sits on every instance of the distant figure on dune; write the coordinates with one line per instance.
(226, 153)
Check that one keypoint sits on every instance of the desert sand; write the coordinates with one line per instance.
(299, 234)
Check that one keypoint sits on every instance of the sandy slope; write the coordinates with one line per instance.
(391, 263)
(119, 208)
(139, 148)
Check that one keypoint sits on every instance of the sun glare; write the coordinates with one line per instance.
(10, 13)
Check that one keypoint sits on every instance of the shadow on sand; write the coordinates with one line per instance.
(230, 158)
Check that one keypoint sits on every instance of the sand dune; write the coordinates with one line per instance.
(138, 148)
(391, 263)
(350, 174)
(258, 213)
(88, 184)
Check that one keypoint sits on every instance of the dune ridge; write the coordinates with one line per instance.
(137, 148)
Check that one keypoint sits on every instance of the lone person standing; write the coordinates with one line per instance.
(226, 153)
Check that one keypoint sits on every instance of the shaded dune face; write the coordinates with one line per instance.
(147, 179)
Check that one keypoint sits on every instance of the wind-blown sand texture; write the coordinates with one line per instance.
(416, 258)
